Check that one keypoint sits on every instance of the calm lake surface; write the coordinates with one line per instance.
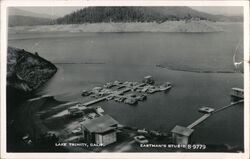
(96, 58)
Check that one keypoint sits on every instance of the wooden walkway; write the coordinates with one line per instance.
(198, 121)
(95, 101)
(227, 106)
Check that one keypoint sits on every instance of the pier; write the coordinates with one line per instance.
(205, 116)
(182, 135)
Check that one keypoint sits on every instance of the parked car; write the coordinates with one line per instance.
(141, 139)
(77, 131)
(27, 140)
(142, 131)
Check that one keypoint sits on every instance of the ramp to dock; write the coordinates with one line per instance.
(198, 121)
(94, 101)
(205, 116)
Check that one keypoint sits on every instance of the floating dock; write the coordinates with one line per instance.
(113, 94)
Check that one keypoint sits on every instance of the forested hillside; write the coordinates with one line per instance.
(138, 14)
(124, 14)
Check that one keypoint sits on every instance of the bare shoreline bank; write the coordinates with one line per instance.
(169, 26)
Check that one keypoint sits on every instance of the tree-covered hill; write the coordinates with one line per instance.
(137, 14)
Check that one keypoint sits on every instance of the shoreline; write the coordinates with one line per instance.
(39, 112)
(201, 26)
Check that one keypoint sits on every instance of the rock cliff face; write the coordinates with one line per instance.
(27, 71)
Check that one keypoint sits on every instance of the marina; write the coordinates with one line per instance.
(140, 91)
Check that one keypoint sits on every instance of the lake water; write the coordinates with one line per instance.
(96, 58)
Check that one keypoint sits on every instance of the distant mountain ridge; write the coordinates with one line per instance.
(18, 20)
(14, 11)
(19, 17)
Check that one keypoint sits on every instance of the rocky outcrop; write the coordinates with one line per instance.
(27, 71)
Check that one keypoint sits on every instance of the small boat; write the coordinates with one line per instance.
(131, 101)
(86, 93)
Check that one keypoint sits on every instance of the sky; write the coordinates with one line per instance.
(61, 11)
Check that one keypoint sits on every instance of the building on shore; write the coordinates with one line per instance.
(181, 135)
(100, 130)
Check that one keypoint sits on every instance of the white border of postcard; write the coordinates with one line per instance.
(9, 3)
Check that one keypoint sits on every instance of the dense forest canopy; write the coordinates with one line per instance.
(129, 14)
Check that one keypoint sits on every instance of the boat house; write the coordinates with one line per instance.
(148, 80)
(100, 130)
(181, 135)
(238, 93)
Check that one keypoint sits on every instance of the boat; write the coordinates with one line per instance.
(141, 97)
(86, 93)
(131, 101)
(166, 86)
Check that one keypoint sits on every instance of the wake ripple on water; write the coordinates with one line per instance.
(195, 70)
